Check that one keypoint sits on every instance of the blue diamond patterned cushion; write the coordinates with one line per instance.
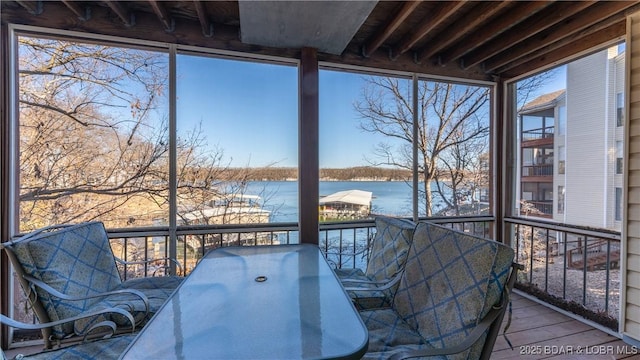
(451, 281)
(75, 260)
(388, 256)
(390, 247)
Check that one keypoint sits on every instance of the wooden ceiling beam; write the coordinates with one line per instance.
(532, 26)
(585, 46)
(33, 7)
(470, 21)
(123, 13)
(161, 12)
(104, 22)
(553, 38)
(444, 11)
(203, 18)
(492, 30)
(83, 14)
(382, 36)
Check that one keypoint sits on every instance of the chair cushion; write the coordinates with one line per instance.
(388, 331)
(451, 280)
(76, 260)
(156, 289)
(389, 248)
(369, 299)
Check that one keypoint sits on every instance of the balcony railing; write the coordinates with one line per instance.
(335, 240)
(537, 134)
(542, 208)
(537, 170)
(575, 268)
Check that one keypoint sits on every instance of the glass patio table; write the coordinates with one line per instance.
(259, 302)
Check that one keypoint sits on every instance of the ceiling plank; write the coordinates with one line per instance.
(33, 7)
(162, 14)
(492, 30)
(123, 13)
(444, 12)
(103, 22)
(539, 22)
(203, 18)
(82, 13)
(556, 34)
(473, 19)
(383, 35)
(585, 46)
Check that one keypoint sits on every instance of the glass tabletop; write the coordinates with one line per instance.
(262, 302)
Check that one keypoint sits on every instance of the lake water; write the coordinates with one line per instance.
(389, 197)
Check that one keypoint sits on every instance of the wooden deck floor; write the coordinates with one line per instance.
(538, 332)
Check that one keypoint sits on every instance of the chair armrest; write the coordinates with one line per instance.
(66, 297)
(379, 285)
(335, 253)
(110, 324)
(143, 262)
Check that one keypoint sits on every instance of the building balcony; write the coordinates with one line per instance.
(542, 170)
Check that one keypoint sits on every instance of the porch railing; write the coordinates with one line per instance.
(336, 239)
(572, 267)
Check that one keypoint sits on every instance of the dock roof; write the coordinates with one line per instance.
(358, 197)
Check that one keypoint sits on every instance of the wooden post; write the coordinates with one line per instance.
(308, 142)
(5, 118)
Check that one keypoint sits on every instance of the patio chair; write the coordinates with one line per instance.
(450, 302)
(387, 258)
(68, 271)
(106, 347)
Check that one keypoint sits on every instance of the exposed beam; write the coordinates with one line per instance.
(492, 30)
(82, 13)
(382, 36)
(162, 14)
(226, 38)
(561, 34)
(203, 17)
(123, 13)
(470, 21)
(532, 26)
(593, 42)
(33, 7)
(444, 11)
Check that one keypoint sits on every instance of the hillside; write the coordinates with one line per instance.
(344, 174)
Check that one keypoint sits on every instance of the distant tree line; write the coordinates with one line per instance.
(342, 174)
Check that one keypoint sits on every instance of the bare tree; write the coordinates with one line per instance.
(464, 175)
(449, 115)
(529, 87)
(94, 137)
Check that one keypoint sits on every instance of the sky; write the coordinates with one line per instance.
(249, 110)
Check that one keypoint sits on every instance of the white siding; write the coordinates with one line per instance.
(630, 325)
(587, 158)
(618, 134)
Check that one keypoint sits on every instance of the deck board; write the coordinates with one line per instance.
(539, 332)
